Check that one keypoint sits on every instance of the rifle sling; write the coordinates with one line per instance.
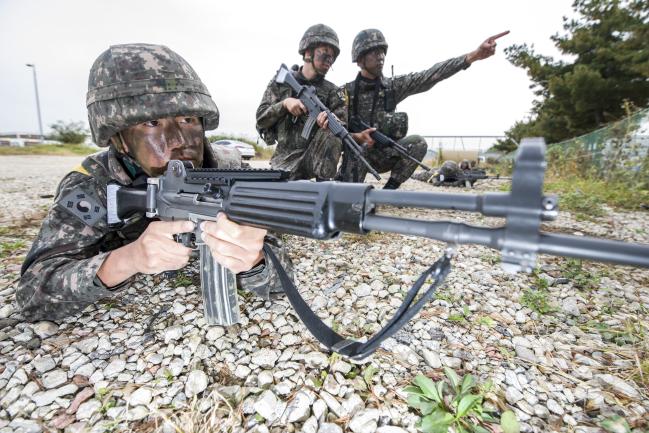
(356, 349)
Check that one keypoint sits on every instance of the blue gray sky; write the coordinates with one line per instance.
(236, 47)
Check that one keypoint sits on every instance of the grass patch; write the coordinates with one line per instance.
(8, 248)
(573, 269)
(50, 149)
(585, 197)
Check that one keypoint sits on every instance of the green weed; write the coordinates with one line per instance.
(455, 402)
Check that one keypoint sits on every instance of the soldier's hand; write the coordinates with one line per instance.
(156, 251)
(486, 49)
(294, 106)
(364, 137)
(323, 121)
(234, 246)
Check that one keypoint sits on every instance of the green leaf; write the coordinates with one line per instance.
(467, 383)
(414, 401)
(616, 424)
(466, 404)
(437, 422)
(413, 390)
(452, 376)
(428, 387)
(479, 429)
(509, 422)
(427, 407)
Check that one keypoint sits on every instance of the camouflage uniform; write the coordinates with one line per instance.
(375, 102)
(318, 155)
(58, 277)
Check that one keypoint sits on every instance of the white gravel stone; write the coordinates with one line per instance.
(141, 396)
(114, 368)
(214, 333)
(299, 408)
(432, 358)
(328, 427)
(6, 311)
(196, 383)
(365, 421)
(88, 409)
(554, 407)
(266, 405)
(45, 329)
(87, 345)
(316, 359)
(265, 358)
(390, 429)
(242, 371)
(44, 364)
(513, 395)
(618, 386)
(173, 333)
(54, 378)
(265, 378)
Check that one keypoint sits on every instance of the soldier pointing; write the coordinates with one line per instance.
(373, 98)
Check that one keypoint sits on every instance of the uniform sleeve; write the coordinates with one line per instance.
(270, 110)
(264, 279)
(59, 274)
(418, 82)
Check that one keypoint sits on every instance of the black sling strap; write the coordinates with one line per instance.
(356, 349)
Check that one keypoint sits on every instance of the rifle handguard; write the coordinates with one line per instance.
(302, 208)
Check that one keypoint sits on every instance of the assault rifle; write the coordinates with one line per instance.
(322, 210)
(356, 124)
(314, 106)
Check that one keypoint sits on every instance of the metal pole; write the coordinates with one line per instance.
(38, 104)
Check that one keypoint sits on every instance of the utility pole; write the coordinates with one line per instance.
(38, 103)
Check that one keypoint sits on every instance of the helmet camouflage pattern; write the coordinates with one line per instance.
(449, 170)
(319, 34)
(135, 83)
(367, 40)
(465, 164)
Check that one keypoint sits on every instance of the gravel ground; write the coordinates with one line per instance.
(565, 347)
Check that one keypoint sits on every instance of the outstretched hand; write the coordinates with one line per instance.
(486, 49)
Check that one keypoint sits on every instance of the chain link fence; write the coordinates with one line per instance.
(617, 153)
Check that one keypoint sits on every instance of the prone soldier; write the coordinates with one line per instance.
(147, 106)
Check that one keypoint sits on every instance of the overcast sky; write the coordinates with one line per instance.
(236, 47)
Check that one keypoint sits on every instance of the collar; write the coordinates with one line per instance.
(299, 76)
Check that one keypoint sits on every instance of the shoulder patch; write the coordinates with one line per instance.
(342, 94)
(83, 206)
(81, 169)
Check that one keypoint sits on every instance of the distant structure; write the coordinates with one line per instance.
(459, 147)
(20, 139)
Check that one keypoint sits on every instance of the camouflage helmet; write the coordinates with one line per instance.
(465, 164)
(319, 34)
(449, 170)
(135, 83)
(366, 40)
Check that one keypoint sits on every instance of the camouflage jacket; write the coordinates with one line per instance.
(375, 101)
(277, 126)
(59, 273)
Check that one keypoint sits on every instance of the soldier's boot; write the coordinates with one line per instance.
(392, 184)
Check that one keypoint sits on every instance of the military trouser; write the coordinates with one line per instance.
(386, 159)
(317, 160)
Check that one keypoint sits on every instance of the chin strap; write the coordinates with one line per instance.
(356, 349)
